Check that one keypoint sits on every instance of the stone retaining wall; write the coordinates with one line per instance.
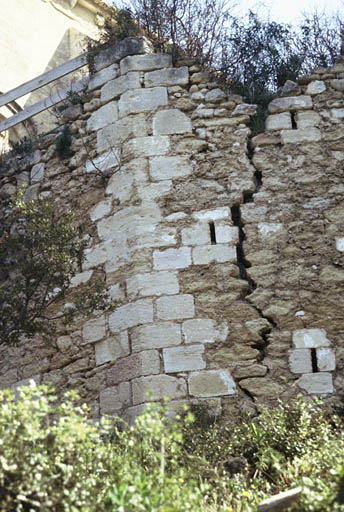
(223, 254)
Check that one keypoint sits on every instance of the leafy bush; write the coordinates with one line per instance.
(53, 458)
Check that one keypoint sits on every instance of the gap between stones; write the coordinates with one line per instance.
(243, 264)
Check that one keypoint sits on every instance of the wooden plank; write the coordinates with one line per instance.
(41, 105)
(44, 79)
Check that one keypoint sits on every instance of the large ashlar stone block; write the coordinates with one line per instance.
(160, 385)
(171, 121)
(130, 221)
(168, 77)
(219, 253)
(37, 173)
(111, 400)
(226, 234)
(152, 191)
(161, 237)
(103, 76)
(104, 162)
(155, 283)
(262, 387)
(169, 167)
(130, 315)
(290, 103)
(279, 122)
(316, 87)
(136, 365)
(326, 359)
(337, 113)
(198, 234)
(300, 136)
(175, 307)
(212, 215)
(94, 330)
(112, 348)
(316, 383)
(146, 146)
(113, 89)
(183, 359)
(146, 62)
(120, 186)
(117, 52)
(211, 383)
(300, 360)
(310, 338)
(101, 210)
(113, 135)
(81, 278)
(142, 100)
(307, 119)
(172, 258)
(203, 330)
(105, 115)
(157, 335)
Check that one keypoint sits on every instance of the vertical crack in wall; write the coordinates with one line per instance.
(243, 264)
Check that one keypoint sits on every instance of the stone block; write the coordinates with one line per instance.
(64, 343)
(183, 359)
(94, 256)
(130, 315)
(112, 348)
(105, 115)
(246, 109)
(101, 210)
(103, 76)
(104, 162)
(266, 230)
(290, 103)
(201, 330)
(37, 173)
(120, 186)
(155, 283)
(112, 399)
(310, 338)
(113, 89)
(116, 292)
(172, 258)
(279, 122)
(226, 234)
(35, 380)
(262, 387)
(136, 365)
(152, 191)
(211, 383)
(81, 278)
(316, 383)
(215, 96)
(94, 330)
(300, 360)
(307, 119)
(160, 385)
(338, 84)
(169, 167)
(198, 234)
(316, 87)
(117, 52)
(160, 237)
(340, 244)
(130, 221)
(142, 100)
(166, 122)
(145, 62)
(175, 307)
(212, 215)
(146, 146)
(113, 135)
(157, 335)
(213, 253)
(300, 136)
(326, 359)
(167, 77)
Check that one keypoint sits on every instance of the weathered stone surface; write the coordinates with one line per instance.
(113, 135)
(172, 258)
(94, 330)
(300, 361)
(37, 173)
(279, 122)
(142, 100)
(168, 77)
(307, 119)
(211, 383)
(105, 115)
(175, 307)
(215, 96)
(103, 76)
(117, 52)
(203, 330)
(326, 359)
(245, 109)
(300, 136)
(136, 365)
(316, 87)
(146, 146)
(104, 162)
(260, 387)
(135, 313)
(181, 359)
(219, 253)
(212, 215)
(101, 210)
(290, 103)
(114, 398)
(337, 113)
(161, 386)
(157, 335)
(132, 220)
(316, 383)
(340, 244)
(112, 348)
(155, 283)
(198, 234)
(247, 371)
(145, 62)
(310, 338)
(112, 90)
(169, 167)
(172, 121)
(338, 85)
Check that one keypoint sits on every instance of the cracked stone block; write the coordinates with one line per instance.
(172, 121)
(112, 348)
(182, 359)
(172, 258)
(160, 386)
(316, 383)
(157, 335)
(113, 89)
(130, 315)
(310, 338)
(114, 134)
(300, 360)
(211, 383)
(100, 78)
(112, 399)
(326, 359)
(142, 363)
(175, 307)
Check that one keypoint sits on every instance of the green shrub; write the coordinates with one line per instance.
(64, 142)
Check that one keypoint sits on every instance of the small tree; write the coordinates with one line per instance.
(40, 252)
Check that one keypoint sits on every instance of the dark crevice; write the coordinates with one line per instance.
(293, 120)
(242, 263)
(212, 233)
(315, 368)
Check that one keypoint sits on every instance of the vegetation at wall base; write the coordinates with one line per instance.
(53, 457)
